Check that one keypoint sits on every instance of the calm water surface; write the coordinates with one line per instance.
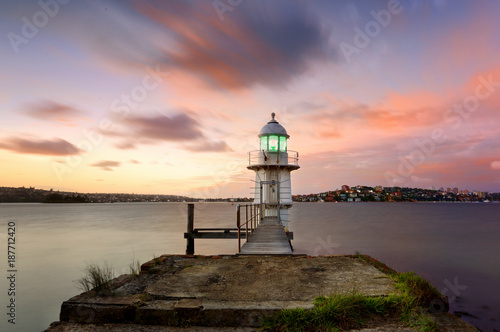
(455, 246)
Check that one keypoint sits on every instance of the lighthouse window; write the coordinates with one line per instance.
(263, 143)
(273, 143)
(282, 144)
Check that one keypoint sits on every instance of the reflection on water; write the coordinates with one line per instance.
(452, 245)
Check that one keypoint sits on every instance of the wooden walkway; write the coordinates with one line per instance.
(268, 239)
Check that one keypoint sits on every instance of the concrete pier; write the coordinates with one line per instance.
(229, 293)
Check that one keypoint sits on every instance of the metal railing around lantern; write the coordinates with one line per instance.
(257, 158)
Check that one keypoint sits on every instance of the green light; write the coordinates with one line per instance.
(263, 143)
(282, 144)
(273, 143)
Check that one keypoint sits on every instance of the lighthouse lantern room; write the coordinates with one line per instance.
(272, 164)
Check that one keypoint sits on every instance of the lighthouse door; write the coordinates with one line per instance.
(270, 196)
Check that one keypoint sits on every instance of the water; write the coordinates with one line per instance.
(453, 245)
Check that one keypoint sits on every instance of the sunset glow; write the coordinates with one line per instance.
(168, 97)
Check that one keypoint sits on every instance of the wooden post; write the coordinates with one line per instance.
(246, 221)
(190, 229)
(251, 217)
(238, 225)
(255, 215)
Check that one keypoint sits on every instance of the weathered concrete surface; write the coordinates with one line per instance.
(230, 291)
(445, 323)
(268, 278)
(73, 327)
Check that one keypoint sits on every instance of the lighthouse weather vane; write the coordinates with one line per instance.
(272, 164)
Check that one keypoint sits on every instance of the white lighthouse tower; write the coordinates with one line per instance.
(272, 164)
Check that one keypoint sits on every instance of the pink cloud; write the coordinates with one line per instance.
(465, 45)
(53, 111)
(126, 145)
(54, 147)
(485, 85)
(248, 51)
(179, 127)
(106, 165)
(495, 165)
(207, 145)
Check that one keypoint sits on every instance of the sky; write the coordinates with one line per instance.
(168, 97)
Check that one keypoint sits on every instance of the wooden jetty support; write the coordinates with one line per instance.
(263, 236)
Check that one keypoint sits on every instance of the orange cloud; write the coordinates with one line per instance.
(398, 121)
(413, 100)
(485, 85)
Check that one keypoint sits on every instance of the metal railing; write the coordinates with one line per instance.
(252, 214)
(255, 158)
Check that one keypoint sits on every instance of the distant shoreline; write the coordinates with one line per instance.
(418, 202)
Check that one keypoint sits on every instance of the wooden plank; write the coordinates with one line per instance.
(268, 239)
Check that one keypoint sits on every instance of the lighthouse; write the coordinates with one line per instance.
(273, 163)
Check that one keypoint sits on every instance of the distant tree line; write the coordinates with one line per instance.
(59, 198)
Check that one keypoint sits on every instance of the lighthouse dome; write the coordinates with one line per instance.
(273, 128)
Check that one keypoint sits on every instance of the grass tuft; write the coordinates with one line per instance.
(415, 286)
(97, 278)
(135, 268)
(333, 313)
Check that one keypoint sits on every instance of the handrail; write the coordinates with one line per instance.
(249, 218)
(254, 158)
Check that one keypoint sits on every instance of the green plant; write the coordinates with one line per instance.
(143, 298)
(425, 323)
(156, 260)
(415, 286)
(135, 267)
(97, 278)
(351, 309)
(417, 317)
(333, 313)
